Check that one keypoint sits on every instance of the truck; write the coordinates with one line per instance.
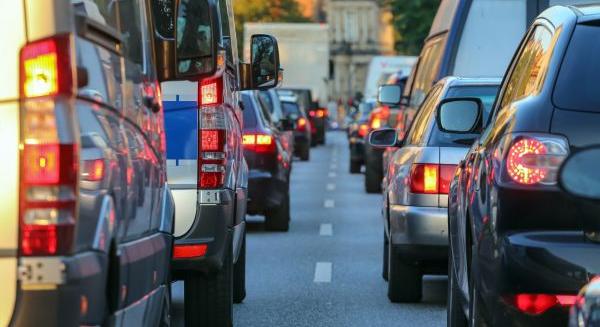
(381, 68)
(304, 51)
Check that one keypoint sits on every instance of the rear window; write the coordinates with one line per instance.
(291, 109)
(578, 80)
(250, 120)
(487, 94)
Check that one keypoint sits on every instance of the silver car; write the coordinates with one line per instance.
(415, 189)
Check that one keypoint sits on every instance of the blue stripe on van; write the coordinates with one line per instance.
(181, 125)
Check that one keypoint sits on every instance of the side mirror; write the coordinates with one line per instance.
(383, 138)
(390, 94)
(460, 115)
(187, 38)
(264, 62)
(287, 124)
(579, 174)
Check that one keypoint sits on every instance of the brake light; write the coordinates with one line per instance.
(301, 124)
(186, 251)
(431, 178)
(376, 122)
(93, 170)
(211, 91)
(363, 130)
(319, 113)
(261, 143)
(536, 304)
(49, 159)
(45, 67)
(535, 159)
(212, 158)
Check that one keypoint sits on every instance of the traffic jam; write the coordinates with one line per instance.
(290, 163)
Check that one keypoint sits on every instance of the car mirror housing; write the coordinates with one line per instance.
(264, 71)
(460, 115)
(390, 95)
(384, 138)
(579, 174)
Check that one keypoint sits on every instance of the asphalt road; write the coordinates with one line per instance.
(326, 271)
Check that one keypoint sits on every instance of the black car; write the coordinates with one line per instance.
(269, 165)
(520, 248)
(357, 133)
(302, 133)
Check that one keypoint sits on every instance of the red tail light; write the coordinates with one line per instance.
(93, 170)
(212, 158)
(375, 123)
(189, 251)
(535, 159)
(301, 124)
(431, 178)
(319, 113)
(363, 130)
(49, 159)
(260, 143)
(536, 304)
(211, 91)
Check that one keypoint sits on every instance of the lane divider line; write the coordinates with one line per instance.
(323, 272)
(329, 204)
(331, 187)
(332, 174)
(326, 230)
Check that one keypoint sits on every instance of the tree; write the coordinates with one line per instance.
(265, 11)
(412, 21)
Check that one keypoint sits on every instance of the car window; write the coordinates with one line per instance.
(164, 18)
(429, 67)
(529, 73)
(101, 11)
(250, 120)
(577, 84)
(267, 102)
(487, 94)
(131, 31)
(419, 126)
(291, 109)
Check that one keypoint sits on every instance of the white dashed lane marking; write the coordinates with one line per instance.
(329, 203)
(326, 230)
(332, 174)
(331, 187)
(323, 272)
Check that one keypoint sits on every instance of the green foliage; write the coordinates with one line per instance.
(412, 21)
(265, 11)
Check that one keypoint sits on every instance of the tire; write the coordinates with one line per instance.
(239, 275)
(355, 167)
(278, 219)
(208, 298)
(476, 318)
(384, 270)
(405, 281)
(305, 153)
(372, 179)
(455, 317)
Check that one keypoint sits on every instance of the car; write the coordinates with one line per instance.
(302, 134)
(317, 115)
(520, 249)
(357, 134)
(415, 202)
(469, 38)
(206, 167)
(579, 178)
(85, 205)
(269, 100)
(269, 164)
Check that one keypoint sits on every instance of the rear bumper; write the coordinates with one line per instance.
(546, 262)
(213, 226)
(265, 191)
(410, 225)
(55, 299)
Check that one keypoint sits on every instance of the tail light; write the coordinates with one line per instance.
(301, 124)
(375, 123)
(531, 159)
(49, 159)
(363, 130)
(319, 113)
(186, 251)
(260, 143)
(536, 304)
(431, 178)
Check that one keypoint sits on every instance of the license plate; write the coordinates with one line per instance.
(210, 197)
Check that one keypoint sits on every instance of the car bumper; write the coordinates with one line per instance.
(213, 226)
(538, 263)
(265, 191)
(413, 225)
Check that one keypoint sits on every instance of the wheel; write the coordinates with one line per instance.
(384, 270)
(208, 298)
(305, 153)
(239, 274)
(454, 314)
(372, 179)
(355, 167)
(278, 219)
(476, 318)
(313, 142)
(404, 280)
